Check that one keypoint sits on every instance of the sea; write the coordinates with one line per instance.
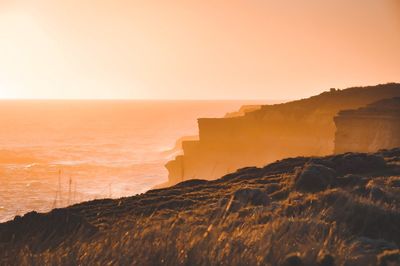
(55, 153)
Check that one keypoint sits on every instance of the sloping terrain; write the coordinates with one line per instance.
(334, 210)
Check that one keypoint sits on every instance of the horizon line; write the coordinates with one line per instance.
(134, 99)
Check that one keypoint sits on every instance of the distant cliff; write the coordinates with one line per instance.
(304, 127)
(370, 128)
(243, 110)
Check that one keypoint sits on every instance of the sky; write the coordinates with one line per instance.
(189, 49)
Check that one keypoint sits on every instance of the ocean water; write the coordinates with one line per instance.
(57, 153)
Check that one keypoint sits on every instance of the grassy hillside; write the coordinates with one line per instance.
(334, 210)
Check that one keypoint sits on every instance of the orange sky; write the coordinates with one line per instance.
(249, 49)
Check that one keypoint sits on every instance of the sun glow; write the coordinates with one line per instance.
(164, 50)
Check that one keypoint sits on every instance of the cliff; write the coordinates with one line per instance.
(304, 127)
(243, 110)
(334, 210)
(370, 128)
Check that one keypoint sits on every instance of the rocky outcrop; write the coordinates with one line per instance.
(370, 128)
(304, 127)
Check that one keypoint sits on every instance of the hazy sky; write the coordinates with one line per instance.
(170, 49)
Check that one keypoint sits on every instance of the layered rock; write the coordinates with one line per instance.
(298, 128)
(370, 128)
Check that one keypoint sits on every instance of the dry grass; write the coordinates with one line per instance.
(252, 217)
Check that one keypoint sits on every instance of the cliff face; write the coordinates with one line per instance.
(368, 129)
(299, 128)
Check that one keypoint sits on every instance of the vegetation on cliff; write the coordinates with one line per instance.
(298, 128)
(334, 210)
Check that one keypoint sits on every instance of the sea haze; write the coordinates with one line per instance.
(56, 153)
